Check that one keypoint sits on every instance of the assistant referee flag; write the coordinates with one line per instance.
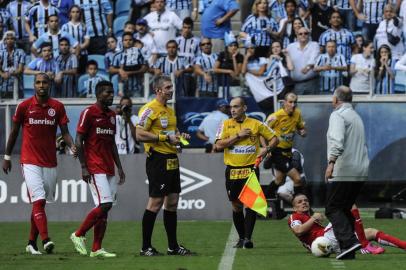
(252, 195)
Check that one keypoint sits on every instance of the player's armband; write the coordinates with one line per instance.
(295, 223)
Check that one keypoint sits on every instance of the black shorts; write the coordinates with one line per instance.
(163, 174)
(281, 160)
(236, 178)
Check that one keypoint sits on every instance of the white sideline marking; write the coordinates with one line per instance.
(337, 264)
(227, 259)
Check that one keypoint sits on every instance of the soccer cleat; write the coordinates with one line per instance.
(101, 253)
(79, 243)
(371, 249)
(30, 249)
(49, 247)
(248, 244)
(348, 253)
(181, 251)
(239, 244)
(150, 252)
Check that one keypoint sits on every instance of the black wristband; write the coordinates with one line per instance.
(331, 162)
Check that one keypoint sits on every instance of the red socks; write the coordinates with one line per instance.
(90, 221)
(34, 230)
(39, 218)
(359, 228)
(99, 230)
(389, 240)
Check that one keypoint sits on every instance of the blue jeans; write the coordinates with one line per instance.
(349, 19)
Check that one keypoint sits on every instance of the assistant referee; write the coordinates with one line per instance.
(240, 139)
(157, 129)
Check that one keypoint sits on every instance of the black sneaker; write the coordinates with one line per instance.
(349, 253)
(239, 244)
(48, 246)
(181, 250)
(248, 243)
(150, 252)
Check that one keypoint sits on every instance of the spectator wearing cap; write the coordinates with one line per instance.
(183, 8)
(216, 21)
(211, 123)
(228, 68)
(163, 24)
(203, 68)
(149, 47)
(304, 54)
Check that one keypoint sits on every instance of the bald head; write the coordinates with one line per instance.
(343, 94)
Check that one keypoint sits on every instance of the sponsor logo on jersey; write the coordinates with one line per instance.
(47, 122)
(103, 131)
(239, 173)
(243, 149)
(51, 112)
(144, 116)
(164, 121)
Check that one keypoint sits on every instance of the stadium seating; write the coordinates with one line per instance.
(122, 8)
(118, 25)
(99, 59)
(400, 81)
(28, 81)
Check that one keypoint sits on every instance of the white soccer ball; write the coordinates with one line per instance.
(321, 247)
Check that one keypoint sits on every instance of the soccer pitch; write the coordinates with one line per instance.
(275, 248)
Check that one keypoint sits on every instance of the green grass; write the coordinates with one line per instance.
(275, 248)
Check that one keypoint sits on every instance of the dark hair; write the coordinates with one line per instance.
(92, 62)
(297, 195)
(127, 34)
(42, 74)
(64, 39)
(293, 2)
(100, 85)
(53, 15)
(365, 44)
(127, 23)
(331, 41)
(80, 12)
(292, 35)
(45, 44)
(126, 98)
(281, 55)
(335, 12)
(172, 41)
(113, 37)
(343, 93)
(378, 59)
(188, 21)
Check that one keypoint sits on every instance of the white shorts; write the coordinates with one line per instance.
(103, 188)
(41, 182)
(329, 234)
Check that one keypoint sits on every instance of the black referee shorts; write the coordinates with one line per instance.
(163, 174)
(281, 160)
(236, 178)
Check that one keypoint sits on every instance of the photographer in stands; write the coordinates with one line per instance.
(125, 128)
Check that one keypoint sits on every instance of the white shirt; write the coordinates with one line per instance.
(163, 29)
(401, 64)
(382, 38)
(149, 46)
(361, 82)
(211, 123)
(302, 58)
(402, 15)
(121, 135)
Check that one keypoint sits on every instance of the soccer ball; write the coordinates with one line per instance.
(321, 247)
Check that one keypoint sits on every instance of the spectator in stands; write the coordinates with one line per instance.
(77, 29)
(68, 66)
(54, 35)
(277, 9)
(371, 15)
(304, 54)
(320, 13)
(357, 48)
(253, 62)
(17, 10)
(45, 63)
(64, 7)
(129, 27)
(36, 18)
(203, 68)
(12, 62)
(384, 71)
(362, 69)
(139, 8)
(260, 27)
(188, 49)
(125, 128)
(228, 68)
(401, 64)
(402, 15)
(5, 16)
(172, 64)
(111, 51)
(389, 32)
(183, 8)
(149, 49)
(347, 15)
(92, 80)
(216, 21)
(330, 67)
(343, 38)
(163, 25)
(132, 67)
(288, 25)
(209, 126)
(98, 18)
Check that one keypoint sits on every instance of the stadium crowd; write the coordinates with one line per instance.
(305, 46)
